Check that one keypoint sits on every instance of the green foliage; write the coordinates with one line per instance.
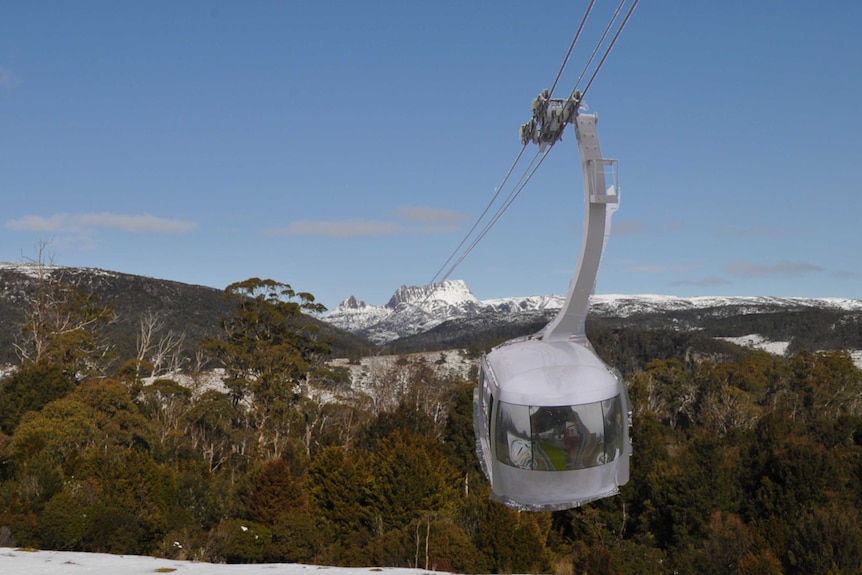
(269, 349)
(629, 556)
(826, 540)
(29, 388)
(513, 542)
(726, 541)
(459, 439)
(213, 425)
(64, 523)
(406, 418)
(784, 471)
(269, 345)
(274, 493)
(410, 477)
(297, 537)
(201, 498)
(238, 541)
(340, 490)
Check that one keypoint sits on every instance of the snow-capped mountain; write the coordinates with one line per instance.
(629, 305)
(410, 310)
(417, 309)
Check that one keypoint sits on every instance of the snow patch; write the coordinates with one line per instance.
(197, 383)
(27, 562)
(756, 341)
(34, 270)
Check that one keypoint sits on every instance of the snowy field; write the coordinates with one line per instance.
(22, 562)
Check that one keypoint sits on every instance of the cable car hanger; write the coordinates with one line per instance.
(552, 420)
(550, 118)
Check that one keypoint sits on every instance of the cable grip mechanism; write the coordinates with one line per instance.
(550, 117)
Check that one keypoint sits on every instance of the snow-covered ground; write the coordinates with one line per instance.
(23, 562)
(757, 341)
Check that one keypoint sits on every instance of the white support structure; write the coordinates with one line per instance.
(601, 199)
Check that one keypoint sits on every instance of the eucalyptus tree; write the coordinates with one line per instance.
(270, 346)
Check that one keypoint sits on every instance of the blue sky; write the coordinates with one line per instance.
(346, 148)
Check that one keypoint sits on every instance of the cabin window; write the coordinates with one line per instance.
(559, 438)
(487, 396)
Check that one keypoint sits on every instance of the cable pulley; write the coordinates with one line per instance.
(550, 117)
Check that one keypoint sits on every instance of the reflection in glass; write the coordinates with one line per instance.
(559, 438)
(514, 446)
(612, 409)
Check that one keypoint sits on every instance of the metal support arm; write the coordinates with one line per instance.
(601, 199)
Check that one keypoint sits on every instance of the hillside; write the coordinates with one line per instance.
(192, 310)
(448, 316)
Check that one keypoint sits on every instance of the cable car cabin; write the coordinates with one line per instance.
(553, 425)
(551, 419)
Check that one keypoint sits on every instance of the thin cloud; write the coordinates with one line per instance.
(773, 232)
(639, 227)
(429, 215)
(845, 275)
(782, 269)
(703, 282)
(8, 79)
(628, 228)
(764, 231)
(434, 220)
(661, 269)
(345, 228)
(88, 222)
(429, 220)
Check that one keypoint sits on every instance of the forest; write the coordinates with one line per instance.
(744, 462)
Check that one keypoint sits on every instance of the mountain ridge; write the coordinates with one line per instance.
(192, 310)
(416, 309)
(449, 316)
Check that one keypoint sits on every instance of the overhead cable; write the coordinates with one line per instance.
(572, 46)
(610, 46)
(485, 211)
(598, 45)
(500, 211)
(528, 173)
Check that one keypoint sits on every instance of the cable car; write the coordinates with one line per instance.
(552, 420)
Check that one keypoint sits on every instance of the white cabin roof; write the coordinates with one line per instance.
(537, 372)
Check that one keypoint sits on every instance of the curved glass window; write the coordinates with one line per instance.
(559, 438)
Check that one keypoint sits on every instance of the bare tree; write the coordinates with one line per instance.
(62, 321)
(158, 346)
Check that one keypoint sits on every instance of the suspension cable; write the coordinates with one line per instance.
(572, 46)
(611, 45)
(598, 45)
(528, 173)
(517, 159)
(485, 211)
(500, 212)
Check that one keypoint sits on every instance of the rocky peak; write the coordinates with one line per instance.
(352, 303)
(452, 292)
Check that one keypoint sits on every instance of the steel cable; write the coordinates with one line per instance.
(572, 46)
(610, 46)
(522, 182)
